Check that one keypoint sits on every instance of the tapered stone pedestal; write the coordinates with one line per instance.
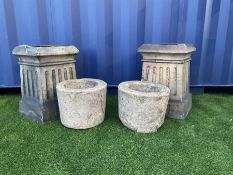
(41, 68)
(169, 65)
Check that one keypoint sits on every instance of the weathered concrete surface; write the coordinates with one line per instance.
(170, 65)
(142, 105)
(82, 102)
(41, 68)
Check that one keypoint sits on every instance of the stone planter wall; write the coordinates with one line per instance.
(170, 65)
(142, 105)
(82, 102)
(41, 68)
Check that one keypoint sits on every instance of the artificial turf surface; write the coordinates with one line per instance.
(200, 144)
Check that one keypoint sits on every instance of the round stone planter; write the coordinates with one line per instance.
(82, 102)
(142, 105)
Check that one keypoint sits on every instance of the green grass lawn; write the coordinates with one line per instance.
(200, 144)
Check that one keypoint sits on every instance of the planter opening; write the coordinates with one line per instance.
(48, 46)
(43, 46)
(85, 84)
(169, 44)
(148, 88)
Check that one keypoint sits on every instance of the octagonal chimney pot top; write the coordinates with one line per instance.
(44, 50)
(172, 48)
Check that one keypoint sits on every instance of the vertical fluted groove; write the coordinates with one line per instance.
(46, 85)
(65, 74)
(147, 72)
(54, 82)
(32, 83)
(154, 74)
(50, 85)
(59, 75)
(184, 79)
(36, 84)
(168, 76)
(161, 75)
(71, 73)
(28, 83)
(175, 81)
(150, 75)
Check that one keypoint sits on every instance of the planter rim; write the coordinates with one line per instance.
(99, 84)
(44, 50)
(167, 48)
(161, 91)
